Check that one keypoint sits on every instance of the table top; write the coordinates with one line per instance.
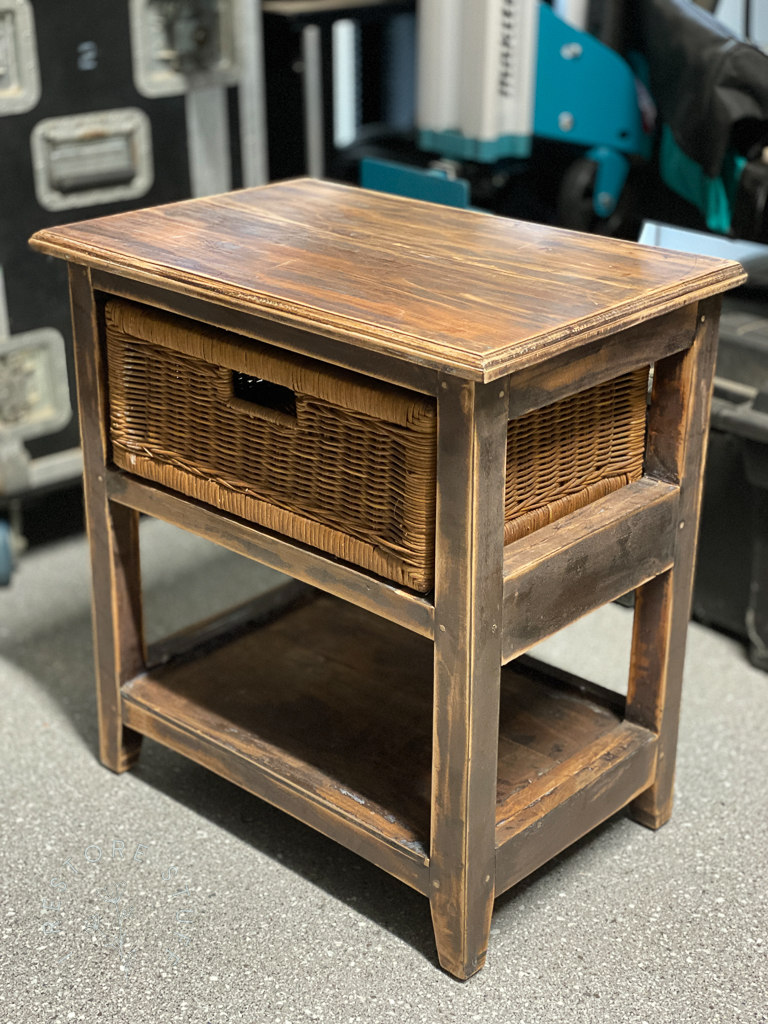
(455, 290)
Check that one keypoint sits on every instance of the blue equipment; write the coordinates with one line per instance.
(585, 94)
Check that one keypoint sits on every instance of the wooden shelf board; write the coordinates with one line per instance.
(571, 800)
(314, 713)
(586, 559)
(326, 711)
(217, 630)
(398, 604)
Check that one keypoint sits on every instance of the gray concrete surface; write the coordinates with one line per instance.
(284, 926)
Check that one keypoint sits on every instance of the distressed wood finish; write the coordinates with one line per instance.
(220, 629)
(345, 742)
(382, 718)
(544, 383)
(407, 375)
(342, 743)
(309, 566)
(202, 743)
(553, 676)
(585, 560)
(453, 290)
(471, 458)
(678, 430)
(566, 804)
(113, 534)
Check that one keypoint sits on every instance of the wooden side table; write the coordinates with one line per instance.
(379, 716)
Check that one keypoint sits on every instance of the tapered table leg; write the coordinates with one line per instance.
(472, 426)
(678, 431)
(113, 534)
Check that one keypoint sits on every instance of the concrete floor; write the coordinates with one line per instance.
(284, 926)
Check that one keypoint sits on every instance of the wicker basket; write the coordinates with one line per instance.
(575, 451)
(334, 459)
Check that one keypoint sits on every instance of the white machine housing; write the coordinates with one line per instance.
(477, 73)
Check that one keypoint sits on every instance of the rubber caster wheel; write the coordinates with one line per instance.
(575, 198)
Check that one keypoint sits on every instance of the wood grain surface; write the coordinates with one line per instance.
(312, 712)
(459, 291)
(313, 567)
(571, 800)
(294, 339)
(471, 452)
(591, 557)
(602, 360)
(113, 535)
(678, 432)
(377, 716)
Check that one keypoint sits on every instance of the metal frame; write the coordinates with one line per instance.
(129, 122)
(55, 407)
(153, 76)
(17, 24)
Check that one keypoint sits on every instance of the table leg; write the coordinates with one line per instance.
(678, 430)
(113, 534)
(471, 452)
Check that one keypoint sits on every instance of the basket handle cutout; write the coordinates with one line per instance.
(263, 399)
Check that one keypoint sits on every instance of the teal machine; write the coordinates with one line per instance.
(494, 74)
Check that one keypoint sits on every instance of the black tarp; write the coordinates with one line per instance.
(711, 89)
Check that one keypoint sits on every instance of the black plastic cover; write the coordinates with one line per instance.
(711, 88)
(750, 209)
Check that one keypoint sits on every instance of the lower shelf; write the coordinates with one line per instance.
(326, 712)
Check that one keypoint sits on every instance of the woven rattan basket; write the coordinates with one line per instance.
(575, 451)
(334, 459)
